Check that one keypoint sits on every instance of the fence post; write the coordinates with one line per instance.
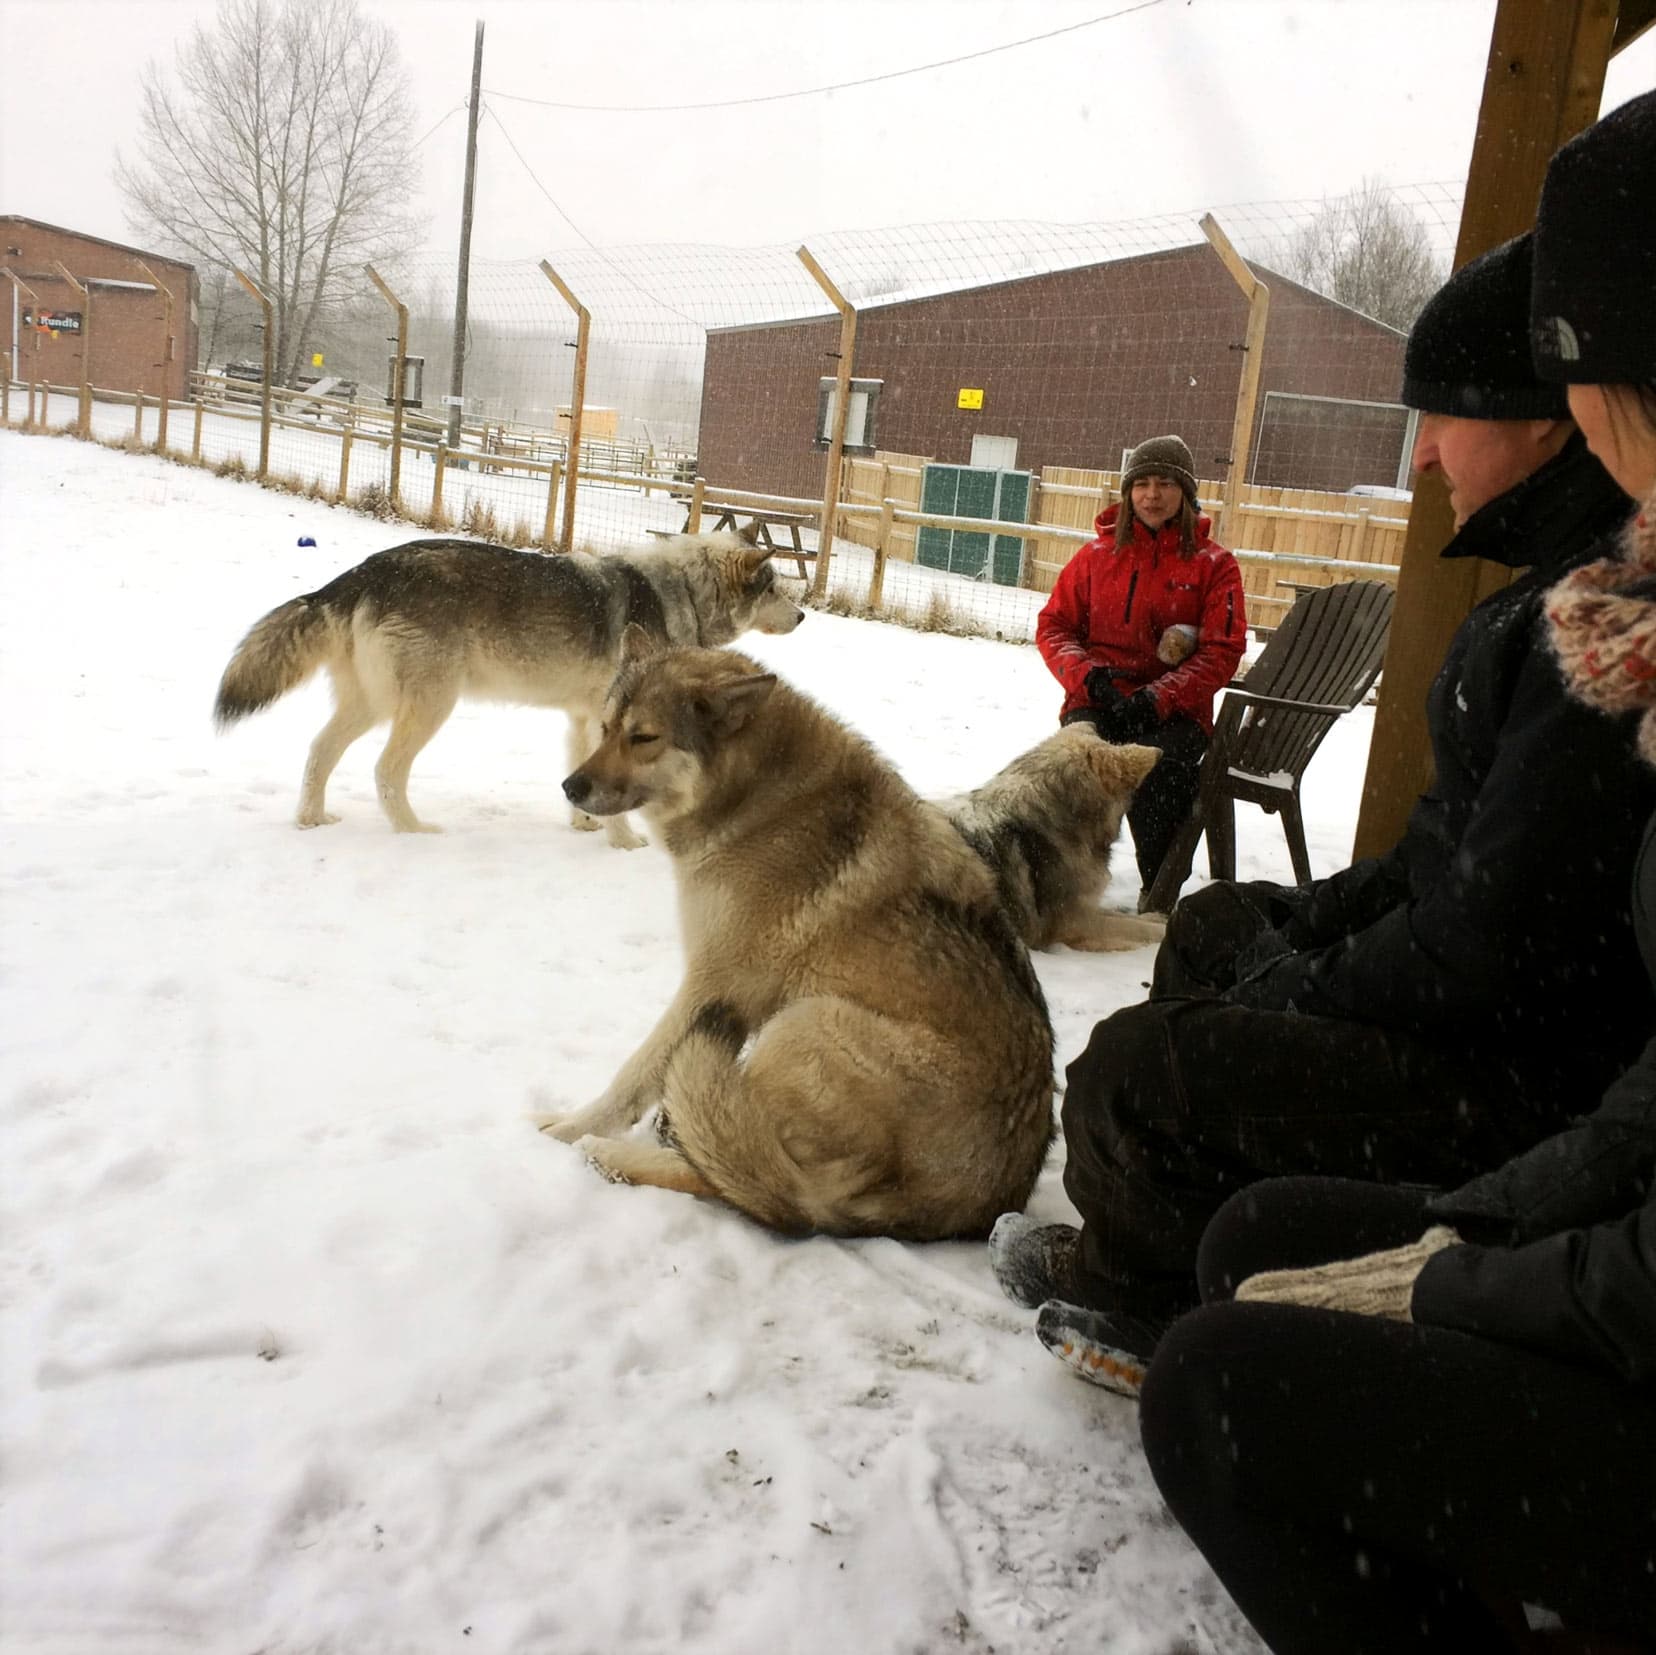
(577, 401)
(692, 521)
(83, 424)
(842, 405)
(396, 384)
(1258, 296)
(166, 355)
(269, 371)
(888, 518)
(195, 440)
(343, 492)
(34, 355)
(551, 505)
(439, 461)
(138, 417)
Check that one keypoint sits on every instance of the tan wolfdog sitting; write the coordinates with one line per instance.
(899, 1077)
(1046, 825)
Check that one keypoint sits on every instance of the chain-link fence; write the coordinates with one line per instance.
(993, 375)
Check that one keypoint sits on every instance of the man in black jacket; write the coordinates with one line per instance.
(1422, 1016)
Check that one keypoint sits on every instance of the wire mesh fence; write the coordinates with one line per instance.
(994, 375)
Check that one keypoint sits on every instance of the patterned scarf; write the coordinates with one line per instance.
(1603, 623)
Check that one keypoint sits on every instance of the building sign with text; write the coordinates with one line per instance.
(53, 321)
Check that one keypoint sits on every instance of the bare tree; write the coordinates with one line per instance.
(1369, 252)
(282, 147)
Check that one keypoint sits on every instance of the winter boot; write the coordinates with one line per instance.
(1033, 1262)
(1103, 1349)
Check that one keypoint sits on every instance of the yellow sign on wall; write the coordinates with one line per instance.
(969, 399)
(316, 359)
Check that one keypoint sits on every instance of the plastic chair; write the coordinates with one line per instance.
(1318, 664)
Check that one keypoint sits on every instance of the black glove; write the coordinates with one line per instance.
(1100, 689)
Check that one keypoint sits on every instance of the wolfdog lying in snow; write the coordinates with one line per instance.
(409, 631)
(899, 1080)
(1046, 824)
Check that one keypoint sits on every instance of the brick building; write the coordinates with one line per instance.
(127, 325)
(1072, 366)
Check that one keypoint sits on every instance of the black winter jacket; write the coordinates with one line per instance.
(1574, 1273)
(1499, 921)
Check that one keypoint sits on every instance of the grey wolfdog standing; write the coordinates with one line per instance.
(1046, 825)
(409, 631)
(899, 1080)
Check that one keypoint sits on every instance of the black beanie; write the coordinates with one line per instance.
(1594, 300)
(1469, 354)
(1161, 457)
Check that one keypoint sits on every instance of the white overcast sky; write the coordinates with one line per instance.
(1182, 104)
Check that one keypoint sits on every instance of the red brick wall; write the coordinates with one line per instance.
(128, 346)
(1076, 366)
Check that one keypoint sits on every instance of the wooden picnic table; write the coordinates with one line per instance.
(786, 523)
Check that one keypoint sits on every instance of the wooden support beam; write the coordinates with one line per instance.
(1542, 85)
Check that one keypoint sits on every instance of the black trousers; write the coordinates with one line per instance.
(1166, 795)
(1371, 1486)
(1178, 1103)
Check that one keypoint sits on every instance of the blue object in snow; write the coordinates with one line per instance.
(305, 540)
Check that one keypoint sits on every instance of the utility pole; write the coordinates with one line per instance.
(457, 365)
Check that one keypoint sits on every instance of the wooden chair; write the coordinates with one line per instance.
(1319, 663)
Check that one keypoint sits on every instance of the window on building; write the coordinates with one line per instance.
(859, 415)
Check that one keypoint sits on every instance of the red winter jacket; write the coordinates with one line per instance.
(1111, 606)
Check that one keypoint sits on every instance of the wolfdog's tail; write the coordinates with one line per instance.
(278, 654)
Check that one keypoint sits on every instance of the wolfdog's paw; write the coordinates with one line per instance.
(556, 1126)
(309, 819)
(583, 823)
(597, 1152)
(416, 827)
(623, 837)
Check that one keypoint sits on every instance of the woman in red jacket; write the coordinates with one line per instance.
(1144, 627)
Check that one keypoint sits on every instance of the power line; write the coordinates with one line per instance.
(838, 86)
(590, 244)
(454, 111)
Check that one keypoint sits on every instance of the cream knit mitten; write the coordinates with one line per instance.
(1376, 1284)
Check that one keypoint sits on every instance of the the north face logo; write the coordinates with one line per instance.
(1559, 338)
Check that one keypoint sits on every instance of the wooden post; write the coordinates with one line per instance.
(166, 354)
(397, 369)
(547, 539)
(344, 490)
(22, 287)
(1542, 85)
(1258, 296)
(577, 403)
(83, 424)
(842, 407)
(439, 461)
(195, 440)
(269, 358)
(692, 520)
(876, 586)
(138, 416)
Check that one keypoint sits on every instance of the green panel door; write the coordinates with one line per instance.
(974, 497)
(938, 484)
(1011, 506)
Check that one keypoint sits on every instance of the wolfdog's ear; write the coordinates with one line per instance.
(731, 704)
(636, 643)
(1123, 768)
(751, 533)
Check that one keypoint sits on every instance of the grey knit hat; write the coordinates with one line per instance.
(1163, 457)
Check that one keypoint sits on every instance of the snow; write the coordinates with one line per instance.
(308, 1343)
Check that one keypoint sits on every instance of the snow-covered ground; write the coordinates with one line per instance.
(308, 1343)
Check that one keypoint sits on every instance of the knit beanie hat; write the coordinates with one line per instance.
(1594, 300)
(1164, 457)
(1469, 351)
